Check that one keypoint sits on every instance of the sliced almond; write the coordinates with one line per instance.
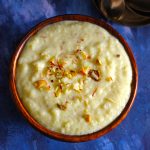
(94, 74)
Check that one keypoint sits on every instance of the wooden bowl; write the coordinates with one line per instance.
(59, 136)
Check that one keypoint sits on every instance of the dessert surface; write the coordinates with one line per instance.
(74, 77)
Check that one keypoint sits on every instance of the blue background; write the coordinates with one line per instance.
(16, 18)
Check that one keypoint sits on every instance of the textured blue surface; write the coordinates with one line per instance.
(16, 18)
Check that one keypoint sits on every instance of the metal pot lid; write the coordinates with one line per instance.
(130, 17)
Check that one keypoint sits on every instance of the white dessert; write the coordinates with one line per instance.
(74, 77)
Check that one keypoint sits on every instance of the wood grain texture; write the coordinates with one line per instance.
(53, 134)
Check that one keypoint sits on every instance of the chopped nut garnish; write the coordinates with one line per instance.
(81, 54)
(51, 64)
(57, 91)
(94, 74)
(62, 106)
(118, 55)
(82, 71)
(94, 91)
(110, 100)
(59, 74)
(87, 118)
(61, 64)
(40, 84)
(52, 59)
(84, 55)
(109, 79)
(73, 73)
(60, 86)
(98, 62)
(69, 75)
(88, 57)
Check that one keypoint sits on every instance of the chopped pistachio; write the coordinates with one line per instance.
(84, 55)
(57, 91)
(86, 103)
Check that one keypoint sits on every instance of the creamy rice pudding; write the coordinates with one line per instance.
(74, 77)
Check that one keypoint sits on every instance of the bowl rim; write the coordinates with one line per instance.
(60, 136)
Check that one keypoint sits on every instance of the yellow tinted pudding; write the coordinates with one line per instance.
(74, 77)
